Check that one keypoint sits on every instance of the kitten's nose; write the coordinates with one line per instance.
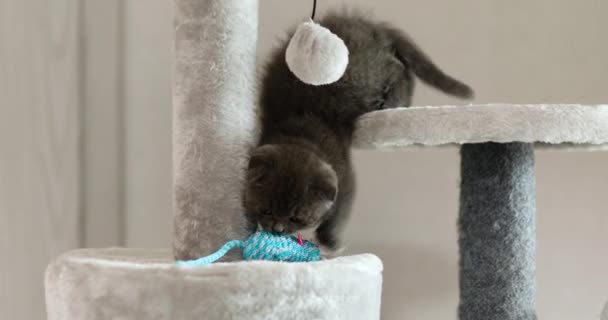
(278, 227)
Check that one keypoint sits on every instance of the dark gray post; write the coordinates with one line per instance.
(497, 232)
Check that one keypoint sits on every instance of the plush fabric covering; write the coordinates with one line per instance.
(316, 55)
(497, 230)
(145, 284)
(214, 120)
(574, 125)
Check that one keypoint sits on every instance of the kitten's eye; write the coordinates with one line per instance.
(266, 213)
(378, 103)
(296, 220)
(386, 90)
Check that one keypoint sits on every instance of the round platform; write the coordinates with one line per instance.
(551, 125)
(146, 284)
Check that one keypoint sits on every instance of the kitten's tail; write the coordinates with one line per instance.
(425, 69)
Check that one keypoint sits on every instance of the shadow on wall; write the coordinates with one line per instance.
(418, 276)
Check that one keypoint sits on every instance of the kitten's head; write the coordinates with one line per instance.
(288, 188)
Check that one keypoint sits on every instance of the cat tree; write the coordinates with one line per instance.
(214, 127)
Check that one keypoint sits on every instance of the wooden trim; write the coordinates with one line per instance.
(103, 123)
(148, 113)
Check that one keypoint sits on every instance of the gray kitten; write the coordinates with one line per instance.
(300, 176)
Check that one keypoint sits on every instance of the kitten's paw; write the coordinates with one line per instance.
(329, 253)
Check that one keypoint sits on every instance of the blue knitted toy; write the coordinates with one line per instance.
(264, 245)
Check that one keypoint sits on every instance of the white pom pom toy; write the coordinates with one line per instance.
(316, 55)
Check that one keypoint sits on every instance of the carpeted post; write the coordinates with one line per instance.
(497, 232)
(214, 120)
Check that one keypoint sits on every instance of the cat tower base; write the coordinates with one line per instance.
(146, 284)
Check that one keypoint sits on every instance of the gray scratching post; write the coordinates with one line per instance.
(497, 232)
(214, 122)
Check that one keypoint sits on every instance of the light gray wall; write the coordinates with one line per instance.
(61, 132)
(39, 147)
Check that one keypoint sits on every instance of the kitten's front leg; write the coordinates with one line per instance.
(327, 237)
(328, 234)
(327, 253)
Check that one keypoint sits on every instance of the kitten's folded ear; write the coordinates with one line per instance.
(325, 191)
(422, 66)
(326, 186)
(261, 162)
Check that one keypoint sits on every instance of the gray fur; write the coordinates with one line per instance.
(316, 123)
(214, 121)
(497, 232)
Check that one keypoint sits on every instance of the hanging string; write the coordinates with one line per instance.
(314, 10)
